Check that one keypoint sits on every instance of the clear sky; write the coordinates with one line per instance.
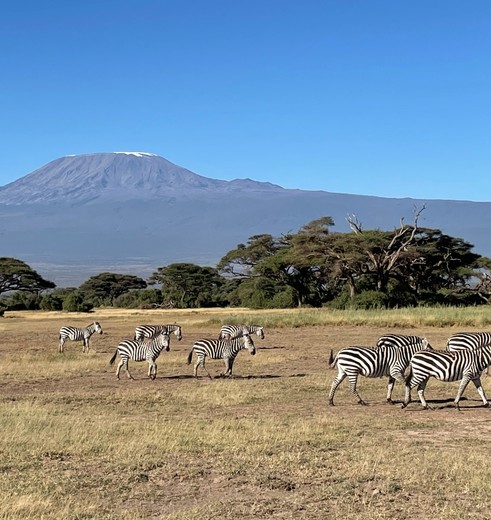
(372, 97)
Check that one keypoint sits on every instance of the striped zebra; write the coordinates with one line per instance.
(79, 334)
(141, 350)
(226, 349)
(147, 331)
(463, 365)
(397, 340)
(468, 341)
(234, 331)
(373, 362)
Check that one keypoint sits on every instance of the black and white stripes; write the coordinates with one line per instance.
(78, 334)
(147, 331)
(234, 331)
(141, 350)
(373, 362)
(226, 349)
(464, 365)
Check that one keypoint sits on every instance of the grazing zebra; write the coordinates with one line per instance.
(465, 365)
(234, 331)
(373, 362)
(468, 341)
(397, 340)
(226, 349)
(79, 334)
(141, 350)
(147, 331)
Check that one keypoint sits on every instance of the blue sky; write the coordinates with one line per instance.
(384, 98)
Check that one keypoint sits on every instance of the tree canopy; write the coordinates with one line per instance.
(109, 286)
(16, 275)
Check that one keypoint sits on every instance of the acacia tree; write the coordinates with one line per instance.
(269, 265)
(16, 275)
(186, 285)
(241, 261)
(108, 286)
(384, 249)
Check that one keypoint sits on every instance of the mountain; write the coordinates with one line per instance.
(131, 212)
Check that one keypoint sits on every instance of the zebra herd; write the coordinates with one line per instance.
(465, 357)
(150, 340)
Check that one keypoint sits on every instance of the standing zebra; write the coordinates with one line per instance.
(373, 362)
(226, 349)
(79, 334)
(234, 331)
(141, 350)
(466, 365)
(147, 331)
(397, 340)
(468, 341)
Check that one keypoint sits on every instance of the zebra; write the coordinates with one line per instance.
(373, 362)
(79, 334)
(226, 349)
(397, 340)
(468, 341)
(465, 365)
(147, 331)
(234, 331)
(141, 350)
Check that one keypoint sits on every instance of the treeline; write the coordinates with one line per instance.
(409, 266)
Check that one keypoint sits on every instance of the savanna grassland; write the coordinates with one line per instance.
(78, 444)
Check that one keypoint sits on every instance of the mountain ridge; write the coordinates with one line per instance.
(121, 175)
(132, 212)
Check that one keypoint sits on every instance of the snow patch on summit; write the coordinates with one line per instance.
(138, 154)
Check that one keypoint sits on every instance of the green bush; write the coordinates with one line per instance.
(75, 303)
(51, 302)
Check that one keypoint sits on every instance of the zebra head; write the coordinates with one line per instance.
(249, 344)
(163, 339)
(260, 332)
(97, 327)
(425, 345)
(178, 333)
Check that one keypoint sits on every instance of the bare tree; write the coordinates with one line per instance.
(385, 257)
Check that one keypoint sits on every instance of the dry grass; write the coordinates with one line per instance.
(78, 444)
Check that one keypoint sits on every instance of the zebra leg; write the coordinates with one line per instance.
(125, 364)
(480, 391)
(462, 387)
(337, 381)
(121, 363)
(62, 342)
(201, 361)
(390, 388)
(409, 385)
(421, 394)
(353, 378)
(152, 369)
(395, 376)
(228, 365)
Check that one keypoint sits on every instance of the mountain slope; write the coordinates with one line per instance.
(133, 212)
(115, 176)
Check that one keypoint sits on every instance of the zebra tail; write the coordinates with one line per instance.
(111, 361)
(190, 356)
(332, 360)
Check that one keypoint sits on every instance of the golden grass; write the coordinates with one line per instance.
(77, 444)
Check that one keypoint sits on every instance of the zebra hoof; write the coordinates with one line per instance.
(486, 405)
(330, 402)
(390, 401)
(363, 403)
